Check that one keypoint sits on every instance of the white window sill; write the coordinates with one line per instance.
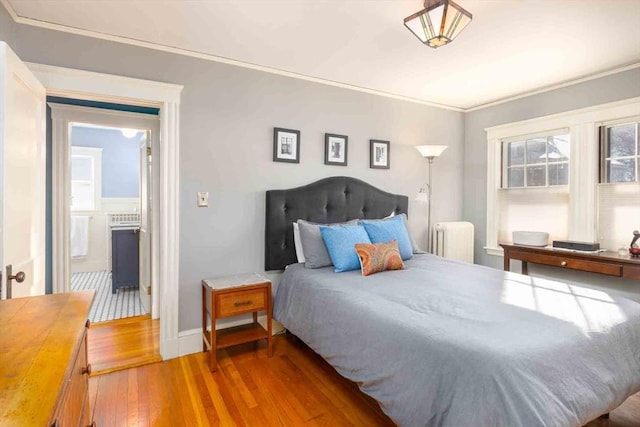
(494, 251)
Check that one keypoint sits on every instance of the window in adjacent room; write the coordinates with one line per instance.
(619, 188)
(86, 185)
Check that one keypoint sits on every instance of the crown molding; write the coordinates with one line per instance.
(215, 58)
(229, 61)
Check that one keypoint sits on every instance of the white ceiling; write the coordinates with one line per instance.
(510, 48)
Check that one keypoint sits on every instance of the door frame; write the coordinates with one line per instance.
(86, 85)
(62, 115)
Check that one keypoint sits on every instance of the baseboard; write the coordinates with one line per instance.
(190, 341)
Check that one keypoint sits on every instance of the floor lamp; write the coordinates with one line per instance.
(429, 152)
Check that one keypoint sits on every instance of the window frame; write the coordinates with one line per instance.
(603, 141)
(95, 154)
(524, 139)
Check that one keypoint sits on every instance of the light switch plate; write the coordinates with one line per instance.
(203, 199)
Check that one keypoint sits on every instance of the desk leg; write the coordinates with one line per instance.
(525, 268)
(507, 260)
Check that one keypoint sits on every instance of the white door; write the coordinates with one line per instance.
(22, 175)
(145, 222)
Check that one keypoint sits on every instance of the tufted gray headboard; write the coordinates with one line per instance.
(335, 199)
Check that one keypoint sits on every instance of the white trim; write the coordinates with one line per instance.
(107, 88)
(584, 164)
(79, 84)
(215, 58)
(583, 200)
(190, 341)
(494, 251)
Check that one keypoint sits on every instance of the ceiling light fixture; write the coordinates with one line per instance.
(129, 133)
(438, 23)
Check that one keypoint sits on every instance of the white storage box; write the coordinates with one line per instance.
(530, 238)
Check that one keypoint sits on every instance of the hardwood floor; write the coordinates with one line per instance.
(294, 387)
(123, 343)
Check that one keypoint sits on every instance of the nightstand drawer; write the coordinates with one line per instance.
(234, 303)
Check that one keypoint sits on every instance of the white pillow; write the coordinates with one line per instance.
(298, 243)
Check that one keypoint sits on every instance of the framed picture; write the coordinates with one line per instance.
(379, 154)
(286, 145)
(335, 149)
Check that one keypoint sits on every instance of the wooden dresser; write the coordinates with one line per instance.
(44, 374)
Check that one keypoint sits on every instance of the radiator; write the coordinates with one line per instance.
(453, 240)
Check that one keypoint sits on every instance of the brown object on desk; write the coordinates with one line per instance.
(44, 374)
(232, 296)
(609, 263)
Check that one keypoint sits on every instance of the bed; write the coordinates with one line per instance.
(445, 343)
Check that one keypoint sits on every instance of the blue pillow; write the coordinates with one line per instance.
(340, 242)
(388, 230)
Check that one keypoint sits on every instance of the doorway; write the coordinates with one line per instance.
(97, 87)
(110, 210)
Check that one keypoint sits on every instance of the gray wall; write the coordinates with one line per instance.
(611, 88)
(227, 119)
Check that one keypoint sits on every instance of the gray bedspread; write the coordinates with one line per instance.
(444, 343)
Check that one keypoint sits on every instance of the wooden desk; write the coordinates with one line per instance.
(44, 374)
(609, 263)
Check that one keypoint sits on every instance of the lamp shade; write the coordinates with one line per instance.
(438, 23)
(431, 150)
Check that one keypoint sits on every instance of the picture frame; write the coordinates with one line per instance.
(335, 149)
(286, 145)
(379, 154)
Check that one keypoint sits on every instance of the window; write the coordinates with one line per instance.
(535, 178)
(619, 188)
(590, 193)
(538, 161)
(86, 182)
(620, 147)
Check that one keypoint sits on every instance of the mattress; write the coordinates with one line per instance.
(446, 343)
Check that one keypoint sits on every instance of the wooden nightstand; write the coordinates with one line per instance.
(232, 296)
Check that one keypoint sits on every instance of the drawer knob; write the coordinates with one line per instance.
(563, 263)
(242, 303)
(87, 369)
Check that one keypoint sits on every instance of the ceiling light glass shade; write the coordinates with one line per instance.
(129, 133)
(438, 23)
(431, 150)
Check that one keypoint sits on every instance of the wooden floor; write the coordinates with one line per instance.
(123, 343)
(294, 387)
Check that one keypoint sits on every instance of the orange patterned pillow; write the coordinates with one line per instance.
(379, 257)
